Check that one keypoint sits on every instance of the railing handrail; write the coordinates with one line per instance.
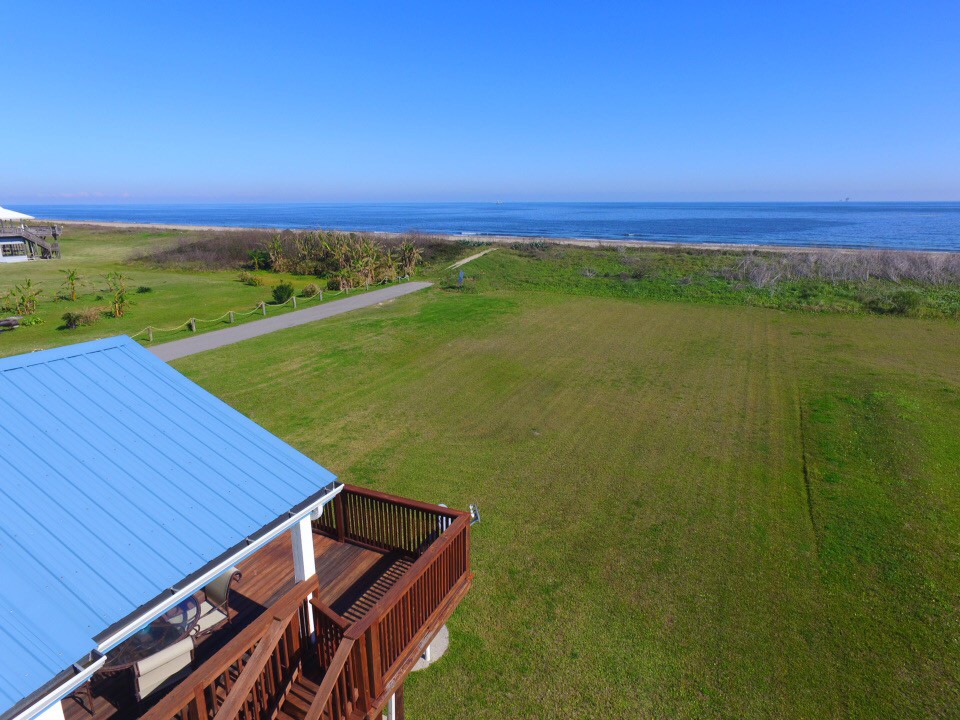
(409, 577)
(251, 671)
(329, 679)
(333, 617)
(451, 513)
(184, 691)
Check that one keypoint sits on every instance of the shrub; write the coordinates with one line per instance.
(259, 259)
(309, 290)
(898, 302)
(31, 320)
(76, 318)
(249, 279)
(282, 292)
(144, 289)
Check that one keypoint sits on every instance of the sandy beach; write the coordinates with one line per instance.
(498, 239)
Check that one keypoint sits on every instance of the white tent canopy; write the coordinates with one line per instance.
(13, 215)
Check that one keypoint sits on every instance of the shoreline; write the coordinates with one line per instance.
(507, 239)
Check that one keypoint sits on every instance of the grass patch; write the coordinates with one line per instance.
(709, 276)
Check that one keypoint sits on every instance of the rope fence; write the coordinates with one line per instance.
(232, 316)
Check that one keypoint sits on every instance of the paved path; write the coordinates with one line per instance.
(218, 338)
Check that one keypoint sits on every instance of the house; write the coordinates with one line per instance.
(20, 242)
(163, 556)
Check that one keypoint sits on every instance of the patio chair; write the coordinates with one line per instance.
(215, 607)
(162, 668)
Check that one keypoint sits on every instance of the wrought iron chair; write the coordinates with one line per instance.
(215, 606)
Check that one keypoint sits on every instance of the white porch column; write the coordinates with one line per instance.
(392, 708)
(304, 560)
(54, 712)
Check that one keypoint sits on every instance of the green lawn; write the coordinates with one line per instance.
(689, 510)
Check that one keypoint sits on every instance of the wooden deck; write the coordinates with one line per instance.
(352, 579)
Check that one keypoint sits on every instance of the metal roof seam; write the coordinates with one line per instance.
(144, 511)
(204, 397)
(164, 454)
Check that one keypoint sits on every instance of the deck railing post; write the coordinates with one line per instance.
(341, 514)
(304, 562)
(373, 658)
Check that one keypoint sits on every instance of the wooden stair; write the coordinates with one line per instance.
(298, 700)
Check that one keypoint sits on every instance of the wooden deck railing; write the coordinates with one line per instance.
(383, 522)
(361, 664)
(378, 651)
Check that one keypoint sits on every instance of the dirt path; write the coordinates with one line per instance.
(458, 263)
(218, 338)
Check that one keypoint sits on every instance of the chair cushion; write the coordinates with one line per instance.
(210, 615)
(160, 668)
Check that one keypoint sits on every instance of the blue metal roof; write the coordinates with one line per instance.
(119, 478)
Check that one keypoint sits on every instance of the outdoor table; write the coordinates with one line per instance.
(167, 629)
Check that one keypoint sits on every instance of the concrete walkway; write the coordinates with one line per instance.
(218, 338)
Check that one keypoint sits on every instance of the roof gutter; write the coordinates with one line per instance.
(60, 691)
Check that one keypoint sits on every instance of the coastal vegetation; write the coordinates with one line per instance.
(849, 281)
(345, 260)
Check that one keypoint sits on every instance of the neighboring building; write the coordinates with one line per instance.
(163, 556)
(13, 251)
(25, 242)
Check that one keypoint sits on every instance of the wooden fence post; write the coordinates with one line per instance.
(150, 334)
(193, 324)
(341, 516)
(231, 316)
(263, 306)
(294, 302)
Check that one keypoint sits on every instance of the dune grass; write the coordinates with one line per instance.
(689, 510)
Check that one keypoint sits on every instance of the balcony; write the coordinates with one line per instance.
(336, 646)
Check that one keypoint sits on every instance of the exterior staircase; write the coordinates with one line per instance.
(36, 237)
(297, 703)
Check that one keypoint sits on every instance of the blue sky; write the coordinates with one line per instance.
(440, 101)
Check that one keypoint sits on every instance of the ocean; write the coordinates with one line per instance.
(906, 226)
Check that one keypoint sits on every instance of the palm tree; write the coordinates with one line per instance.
(410, 256)
(73, 280)
(118, 286)
(26, 297)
